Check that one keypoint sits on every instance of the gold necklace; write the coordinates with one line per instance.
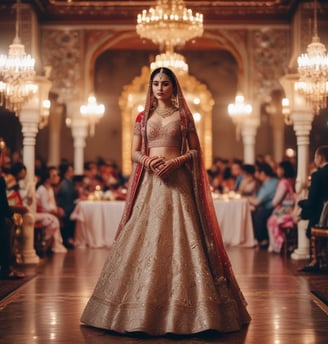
(166, 112)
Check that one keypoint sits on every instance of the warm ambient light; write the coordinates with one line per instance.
(16, 73)
(93, 112)
(171, 60)
(313, 71)
(169, 24)
(238, 111)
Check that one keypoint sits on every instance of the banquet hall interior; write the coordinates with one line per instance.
(245, 70)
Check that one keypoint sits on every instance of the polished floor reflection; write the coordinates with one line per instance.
(47, 309)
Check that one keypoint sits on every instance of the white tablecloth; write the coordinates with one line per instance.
(97, 222)
(235, 221)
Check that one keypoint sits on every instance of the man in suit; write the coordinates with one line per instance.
(318, 194)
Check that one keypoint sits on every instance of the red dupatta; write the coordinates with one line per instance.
(218, 259)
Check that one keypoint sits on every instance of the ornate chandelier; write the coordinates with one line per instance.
(16, 73)
(169, 24)
(239, 111)
(313, 71)
(93, 112)
(171, 60)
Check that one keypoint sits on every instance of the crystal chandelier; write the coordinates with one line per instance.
(171, 60)
(169, 24)
(93, 112)
(239, 111)
(16, 73)
(313, 71)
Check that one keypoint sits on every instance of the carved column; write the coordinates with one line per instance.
(302, 126)
(302, 117)
(79, 128)
(248, 133)
(30, 118)
(79, 132)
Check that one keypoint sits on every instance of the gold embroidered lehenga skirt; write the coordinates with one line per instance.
(156, 278)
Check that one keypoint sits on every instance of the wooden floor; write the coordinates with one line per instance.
(47, 309)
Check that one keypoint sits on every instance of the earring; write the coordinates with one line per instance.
(174, 101)
(155, 103)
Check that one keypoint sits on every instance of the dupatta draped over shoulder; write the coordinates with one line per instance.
(168, 271)
(219, 262)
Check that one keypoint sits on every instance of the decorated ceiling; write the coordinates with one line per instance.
(225, 11)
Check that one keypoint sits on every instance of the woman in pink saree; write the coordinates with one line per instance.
(283, 202)
(167, 271)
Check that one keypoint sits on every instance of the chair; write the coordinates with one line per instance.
(42, 246)
(290, 238)
(318, 232)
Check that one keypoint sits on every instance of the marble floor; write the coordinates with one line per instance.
(47, 308)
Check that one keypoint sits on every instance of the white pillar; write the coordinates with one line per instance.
(302, 117)
(29, 118)
(248, 133)
(79, 132)
(302, 126)
(79, 127)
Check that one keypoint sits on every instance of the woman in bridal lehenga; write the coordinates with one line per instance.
(167, 271)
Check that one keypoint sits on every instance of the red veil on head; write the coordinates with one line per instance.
(218, 259)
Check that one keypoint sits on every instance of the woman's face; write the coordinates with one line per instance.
(280, 172)
(162, 87)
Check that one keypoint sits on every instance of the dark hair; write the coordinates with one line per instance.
(167, 72)
(288, 168)
(250, 169)
(266, 169)
(45, 173)
(323, 151)
(16, 168)
(78, 178)
(237, 162)
(88, 165)
(226, 173)
(63, 168)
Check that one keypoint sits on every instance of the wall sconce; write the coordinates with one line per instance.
(285, 107)
(44, 112)
(93, 112)
(239, 111)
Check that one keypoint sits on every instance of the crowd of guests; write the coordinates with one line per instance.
(56, 190)
(268, 186)
(270, 190)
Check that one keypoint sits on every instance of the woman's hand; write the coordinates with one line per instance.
(171, 165)
(167, 168)
(156, 164)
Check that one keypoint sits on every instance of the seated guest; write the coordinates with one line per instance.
(248, 185)
(66, 196)
(283, 202)
(236, 172)
(318, 194)
(227, 181)
(262, 203)
(48, 212)
(216, 181)
(24, 197)
(91, 177)
(214, 170)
